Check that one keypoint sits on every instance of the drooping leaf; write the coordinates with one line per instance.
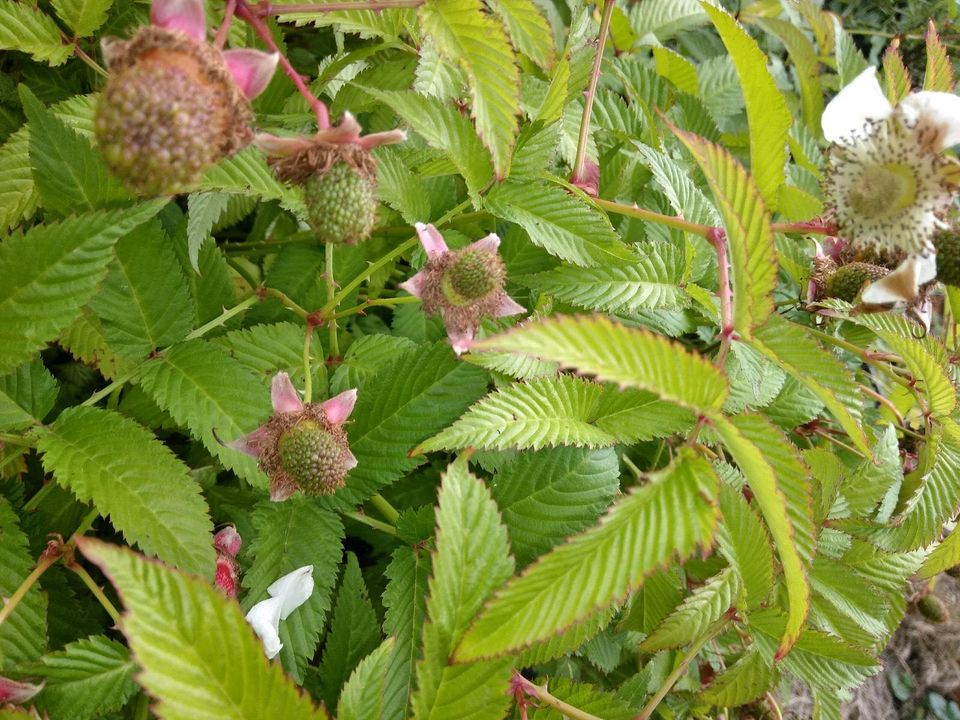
(470, 538)
(199, 658)
(52, 271)
(778, 479)
(466, 34)
(615, 353)
(669, 516)
(749, 239)
(746, 546)
(768, 117)
(292, 534)
(136, 481)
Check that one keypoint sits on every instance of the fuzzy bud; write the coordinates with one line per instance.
(948, 257)
(227, 541)
(933, 609)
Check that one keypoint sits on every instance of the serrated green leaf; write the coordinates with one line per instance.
(895, 74)
(545, 412)
(587, 698)
(445, 129)
(818, 659)
(23, 635)
(650, 282)
(386, 23)
(420, 393)
(436, 76)
(754, 380)
(567, 641)
(669, 516)
(292, 534)
(247, 172)
(850, 594)
(559, 222)
(665, 18)
(354, 632)
(749, 240)
(88, 678)
(528, 29)
(615, 353)
(83, 16)
(745, 681)
(26, 395)
(803, 53)
(400, 188)
(128, 475)
(698, 612)
(472, 558)
(768, 117)
(143, 303)
(676, 68)
(69, 175)
(18, 194)
(797, 353)
(204, 209)
(780, 485)
(405, 602)
(362, 697)
(464, 33)
(850, 61)
(85, 340)
(208, 391)
(365, 358)
(550, 495)
(200, 659)
(744, 543)
(51, 272)
(24, 28)
(267, 349)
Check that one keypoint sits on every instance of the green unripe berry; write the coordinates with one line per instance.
(848, 280)
(341, 204)
(472, 275)
(933, 609)
(948, 258)
(313, 456)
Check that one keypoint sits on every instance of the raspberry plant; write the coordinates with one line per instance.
(626, 443)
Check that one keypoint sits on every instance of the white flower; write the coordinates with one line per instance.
(286, 595)
(886, 180)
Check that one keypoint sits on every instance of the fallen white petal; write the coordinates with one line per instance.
(293, 589)
(862, 101)
(937, 117)
(264, 618)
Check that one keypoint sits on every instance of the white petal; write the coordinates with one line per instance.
(860, 102)
(264, 618)
(937, 115)
(293, 589)
(903, 283)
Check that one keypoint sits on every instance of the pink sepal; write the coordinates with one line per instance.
(281, 146)
(187, 16)
(284, 395)
(490, 243)
(280, 490)
(509, 307)
(414, 285)
(339, 407)
(349, 459)
(227, 541)
(251, 69)
(15, 692)
(589, 181)
(460, 341)
(251, 444)
(375, 140)
(432, 241)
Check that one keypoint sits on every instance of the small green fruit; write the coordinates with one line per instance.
(341, 204)
(314, 457)
(848, 280)
(933, 609)
(948, 258)
(473, 274)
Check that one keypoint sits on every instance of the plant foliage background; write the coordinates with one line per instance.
(608, 492)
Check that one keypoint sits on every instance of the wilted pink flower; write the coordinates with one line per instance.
(338, 174)
(17, 693)
(589, 179)
(463, 285)
(227, 544)
(174, 104)
(227, 541)
(302, 447)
